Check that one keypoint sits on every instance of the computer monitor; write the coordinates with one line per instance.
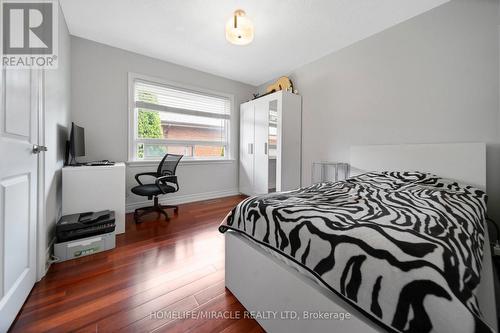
(76, 142)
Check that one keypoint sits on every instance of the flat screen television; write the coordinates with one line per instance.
(76, 144)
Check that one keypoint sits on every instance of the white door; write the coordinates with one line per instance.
(261, 171)
(18, 189)
(247, 147)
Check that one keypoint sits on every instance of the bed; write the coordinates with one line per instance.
(281, 290)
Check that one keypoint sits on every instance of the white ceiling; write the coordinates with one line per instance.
(288, 33)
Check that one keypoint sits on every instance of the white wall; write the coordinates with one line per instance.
(99, 88)
(434, 78)
(57, 113)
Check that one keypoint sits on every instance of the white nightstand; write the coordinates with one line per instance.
(329, 172)
(95, 188)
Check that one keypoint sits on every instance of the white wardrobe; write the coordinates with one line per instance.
(270, 143)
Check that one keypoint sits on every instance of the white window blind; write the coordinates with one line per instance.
(179, 121)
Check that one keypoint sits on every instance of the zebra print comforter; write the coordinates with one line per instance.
(405, 248)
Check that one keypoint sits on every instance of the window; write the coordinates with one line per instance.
(169, 119)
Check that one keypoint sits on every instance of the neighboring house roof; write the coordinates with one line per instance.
(191, 121)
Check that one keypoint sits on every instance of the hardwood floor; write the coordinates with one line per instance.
(174, 267)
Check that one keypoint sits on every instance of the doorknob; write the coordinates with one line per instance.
(38, 149)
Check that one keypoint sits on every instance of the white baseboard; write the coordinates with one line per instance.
(48, 258)
(166, 200)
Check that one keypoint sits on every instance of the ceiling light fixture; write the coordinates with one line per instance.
(239, 29)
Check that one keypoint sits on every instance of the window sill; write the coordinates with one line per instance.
(137, 164)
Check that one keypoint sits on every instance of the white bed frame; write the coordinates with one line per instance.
(263, 283)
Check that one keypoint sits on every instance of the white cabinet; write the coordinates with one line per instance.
(270, 143)
(247, 147)
(95, 188)
(261, 156)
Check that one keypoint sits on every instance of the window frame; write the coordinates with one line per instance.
(133, 139)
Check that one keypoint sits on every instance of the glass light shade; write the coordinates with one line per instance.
(239, 29)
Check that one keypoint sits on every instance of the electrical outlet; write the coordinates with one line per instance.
(496, 250)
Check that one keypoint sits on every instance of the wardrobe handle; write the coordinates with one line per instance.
(265, 148)
(250, 148)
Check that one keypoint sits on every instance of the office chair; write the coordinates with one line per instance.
(165, 180)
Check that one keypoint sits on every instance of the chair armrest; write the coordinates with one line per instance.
(167, 179)
(151, 174)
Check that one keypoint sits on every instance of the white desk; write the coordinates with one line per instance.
(95, 188)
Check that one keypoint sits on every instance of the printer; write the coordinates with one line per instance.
(76, 226)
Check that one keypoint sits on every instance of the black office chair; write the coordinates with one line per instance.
(165, 182)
